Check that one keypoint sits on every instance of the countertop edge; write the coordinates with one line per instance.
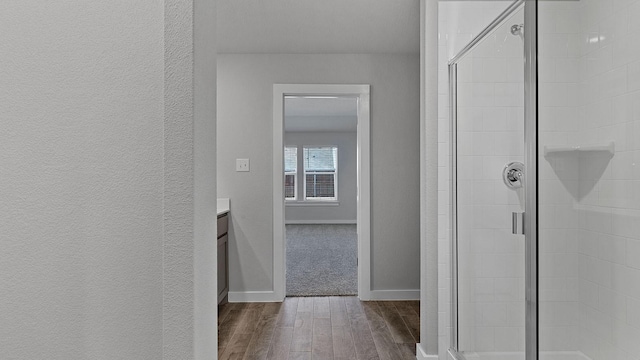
(223, 206)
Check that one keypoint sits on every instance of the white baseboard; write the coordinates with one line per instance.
(394, 295)
(270, 296)
(314, 222)
(509, 355)
(422, 355)
(253, 296)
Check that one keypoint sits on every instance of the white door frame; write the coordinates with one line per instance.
(364, 180)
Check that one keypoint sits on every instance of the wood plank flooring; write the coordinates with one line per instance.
(319, 328)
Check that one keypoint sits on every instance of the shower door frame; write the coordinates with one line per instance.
(531, 174)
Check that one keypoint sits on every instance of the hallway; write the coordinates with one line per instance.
(337, 328)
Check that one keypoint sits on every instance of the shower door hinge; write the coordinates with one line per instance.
(517, 223)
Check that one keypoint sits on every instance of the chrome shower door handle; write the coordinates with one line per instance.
(517, 223)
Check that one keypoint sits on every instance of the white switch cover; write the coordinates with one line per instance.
(242, 164)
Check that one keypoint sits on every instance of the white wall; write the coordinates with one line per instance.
(245, 85)
(82, 180)
(205, 262)
(93, 263)
(189, 249)
(429, 296)
(345, 211)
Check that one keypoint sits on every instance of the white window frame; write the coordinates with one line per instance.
(295, 185)
(334, 173)
(295, 176)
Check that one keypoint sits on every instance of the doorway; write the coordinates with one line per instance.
(321, 187)
(320, 158)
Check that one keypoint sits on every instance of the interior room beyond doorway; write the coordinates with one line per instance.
(320, 188)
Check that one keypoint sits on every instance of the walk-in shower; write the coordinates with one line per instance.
(545, 184)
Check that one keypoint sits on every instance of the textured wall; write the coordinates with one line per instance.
(87, 192)
(81, 144)
(245, 86)
(190, 290)
(178, 270)
(205, 205)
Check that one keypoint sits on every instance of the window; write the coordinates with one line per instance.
(290, 172)
(320, 173)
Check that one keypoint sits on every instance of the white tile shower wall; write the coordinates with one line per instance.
(591, 212)
(459, 22)
(490, 135)
(559, 73)
(602, 40)
(600, 233)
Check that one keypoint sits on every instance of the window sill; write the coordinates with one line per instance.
(311, 203)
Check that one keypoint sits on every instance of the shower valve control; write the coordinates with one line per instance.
(513, 175)
(517, 223)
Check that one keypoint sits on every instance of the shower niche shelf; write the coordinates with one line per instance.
(608, 149)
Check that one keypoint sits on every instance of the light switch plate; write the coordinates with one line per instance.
(242, 164)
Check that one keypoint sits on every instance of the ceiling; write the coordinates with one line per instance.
(309, 114)
(320, 106)
(318, 26)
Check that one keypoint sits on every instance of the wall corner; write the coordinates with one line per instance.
(429, 176)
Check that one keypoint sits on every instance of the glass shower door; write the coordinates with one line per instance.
(488, 187)
(589, 179)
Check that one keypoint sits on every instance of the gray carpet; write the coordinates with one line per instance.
(321, 260)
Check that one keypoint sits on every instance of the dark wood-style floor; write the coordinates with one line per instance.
(305, 328)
